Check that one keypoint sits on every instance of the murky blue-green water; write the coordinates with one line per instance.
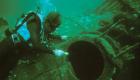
(77, 16)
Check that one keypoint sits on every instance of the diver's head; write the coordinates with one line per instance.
(52, 21)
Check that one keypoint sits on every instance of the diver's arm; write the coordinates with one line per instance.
(26, 19)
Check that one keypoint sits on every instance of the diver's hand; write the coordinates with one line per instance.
(64, 37)
(60, 53)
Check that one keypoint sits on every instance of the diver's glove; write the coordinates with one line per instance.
(60, 53)
(64, 37)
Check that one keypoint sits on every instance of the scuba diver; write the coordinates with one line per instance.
(28, 39)
(37, 36)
